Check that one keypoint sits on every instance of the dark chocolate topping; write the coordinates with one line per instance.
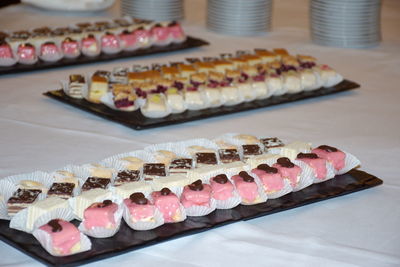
(157, 169)
(105, 203)
(267, 168)
(173, 23)
(95, 182)
(24, 196)
(61, 189)
(55, 226)
(139, 198)
(196, 186)
(206, 158)
(328, 148)
(285, 162)
(128, 176)
(221, 179)
(49, 43)
(307, 156)
(228, 155)
(165, 191)
(251, 150)
(246, 177)
(183, 163)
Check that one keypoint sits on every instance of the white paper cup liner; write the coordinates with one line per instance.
(102, 232)
(7, 189)
(228, 203)
(108, 100)
(197, 210)
(19, 221)
(46, 242)
(287, 188)
(156, 113)
(330, 173)
(307, 176)
(5, 62)
(350, 162)
(143, 225)
(37, 176)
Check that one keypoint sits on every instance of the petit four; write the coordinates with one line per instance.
(76, 86)
(270, 178)
(95, 182)
(26, 54)
(251, 150)
(332, 155)
(228, 155)
(127, 176)
(153, 171)
(70, 48)
(90, 46)
(316, 163)
(171, 181)
(140, 208)
(288, 170)
(49, 51)
(292, 149)
(271, 142)
(246, 187)
(196, 194)
(126, 189)
(98, 88)
(168, 204)
(100, 214)
(86, 198)
(42, 207)
(221, 187)
(180, 165)
(21, 199)
(205, 158)
(61, 190)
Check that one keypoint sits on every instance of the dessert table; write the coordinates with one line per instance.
(360, 229)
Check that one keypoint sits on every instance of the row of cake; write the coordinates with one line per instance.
(88, 39)
(209, 83)
(245, 175)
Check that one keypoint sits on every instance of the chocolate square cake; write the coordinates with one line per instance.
(62, 190)
(228, 155)
(206, 158)
(21, 199)
(95, 182)
(153, 170)
(127, 176)
(181, 165)
(251, 150)
(271, 142)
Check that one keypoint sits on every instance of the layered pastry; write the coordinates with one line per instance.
(259, 86)
(175, 100)
(180, 165)
(76, 85)
(21, 199)
(49, 51)
(124, 97)
(100, 214)
(70, 48)
(329, 77)
(221, 187)
(251, 150)
(153, 171)
(168, 204)
(228, 155)
(288, 170)
(61, 190)
(196, 194)
(140, 208)
(120, 75)
(30, 184)
(96, 182)
(271, 143)
(127, 176)
(205, 159)
(6, 54)
(26, 54)
(316, 163)
(212, 89)
(270, 178)
(98, 88)
(332, 155)
(246, 187)
(65, 237)
(66, 177)
(229, 91)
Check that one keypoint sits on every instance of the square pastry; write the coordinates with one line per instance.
(21, 199)
(153, 170)
(95, 182)
(127, 176)
(205, 158)
(251, 150)
(62, 190)
(181, 165)
(271, 142)
(228, 155)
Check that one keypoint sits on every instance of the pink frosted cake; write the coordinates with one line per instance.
(196, 194)
(331, 154)
(168, 203)
(49, 51)
(70, 48)
(142, 37)
(270, 178)
(128, 40)
(90, 46)
(176, 32)
(161, 34)
(110, 43)
(246, 187)
(288, 170)
(140, 207)
(65, 237)
(221, 187)
(26, 54)
(316, 163)
(100, 214)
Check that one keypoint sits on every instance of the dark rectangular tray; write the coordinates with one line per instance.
(127, 240)
(137, 121)
(190, 42)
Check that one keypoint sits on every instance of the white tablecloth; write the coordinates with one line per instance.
(360, 229)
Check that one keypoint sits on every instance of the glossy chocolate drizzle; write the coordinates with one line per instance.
(246, 177)
(328, 148)
(267, 168)
(55, 226)
(221, 179)
(196, 186)
(307, 156)
(105, 203)
(165, 191)
(138, 198)
(285, 162)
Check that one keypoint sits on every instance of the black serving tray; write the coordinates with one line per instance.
(190, 42)
(127, 240)
(137, 121)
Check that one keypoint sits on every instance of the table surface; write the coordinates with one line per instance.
(360, 229)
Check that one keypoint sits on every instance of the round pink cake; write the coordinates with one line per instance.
(100, 214)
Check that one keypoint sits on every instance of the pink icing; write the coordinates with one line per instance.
(176, 31)
(70, 47)
(200, 198)
(160, 33)
(293, 174)
(26, 52)
(168, 205)
(318, 165)
(127, 39)
(90, 43)
(247, 190)
(109, 40)
(221, 191)
(272, 182)
(139, 212)
(5, 51)
(100, 215)
(49, 49)
(336, 158)
(63, 240)
(141, 36)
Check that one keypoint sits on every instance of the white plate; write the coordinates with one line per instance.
(71, 5)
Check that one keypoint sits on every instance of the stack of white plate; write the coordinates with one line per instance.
(157, 10)
(345, 23)
(239, 17)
